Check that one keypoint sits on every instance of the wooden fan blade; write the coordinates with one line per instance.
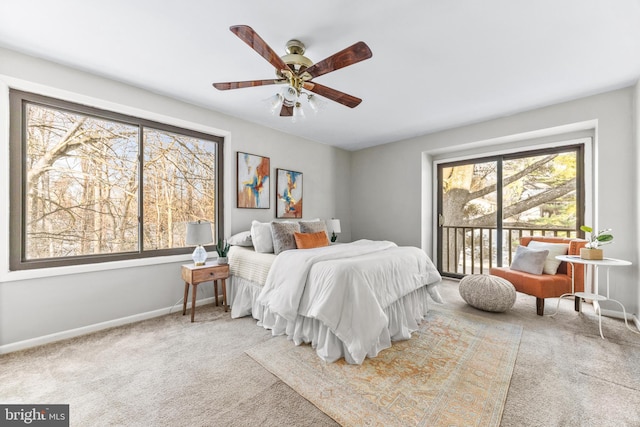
(349, 56)
(334, 95)
(255, 42)
(286, 111)
(250, 83)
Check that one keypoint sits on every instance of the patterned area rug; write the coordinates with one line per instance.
(454, 371)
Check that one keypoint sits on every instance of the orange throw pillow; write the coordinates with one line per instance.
(311, 240)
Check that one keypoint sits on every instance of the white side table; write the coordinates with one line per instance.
(595, 296)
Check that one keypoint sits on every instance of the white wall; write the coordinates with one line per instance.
(37, 307)
(395, 199)
(636, 114)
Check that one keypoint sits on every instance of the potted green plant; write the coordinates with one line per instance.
(594, 241)
(223, 249)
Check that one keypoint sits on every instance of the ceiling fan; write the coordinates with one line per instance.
(298, 71)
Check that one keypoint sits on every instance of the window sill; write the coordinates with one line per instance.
(13, 276)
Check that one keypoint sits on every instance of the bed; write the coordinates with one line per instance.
(348, 300)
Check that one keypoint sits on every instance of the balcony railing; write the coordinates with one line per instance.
(473, 250)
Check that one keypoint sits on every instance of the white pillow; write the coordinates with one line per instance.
(241, 239)
(261, 237)
(551, 264)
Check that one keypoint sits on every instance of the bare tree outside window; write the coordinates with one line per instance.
(179, 186)
(82, 183)
(90, 185)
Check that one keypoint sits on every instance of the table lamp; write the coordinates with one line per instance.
(199, 233)
(334, 224)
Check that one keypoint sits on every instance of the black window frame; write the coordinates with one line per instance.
(17, 178)
(579, 150)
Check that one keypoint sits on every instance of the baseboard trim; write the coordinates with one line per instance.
(615, 313)
(72, 333)
(620, 315)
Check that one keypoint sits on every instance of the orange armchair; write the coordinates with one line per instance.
(546, 285)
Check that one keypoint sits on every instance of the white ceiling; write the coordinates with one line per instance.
(436, 64)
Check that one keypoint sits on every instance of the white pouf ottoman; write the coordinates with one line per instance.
(488, 293)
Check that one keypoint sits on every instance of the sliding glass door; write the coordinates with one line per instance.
(485, 205)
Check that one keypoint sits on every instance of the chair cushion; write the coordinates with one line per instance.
(538, 285)
(488, 293)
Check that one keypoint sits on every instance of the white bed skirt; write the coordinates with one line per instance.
(404, 317)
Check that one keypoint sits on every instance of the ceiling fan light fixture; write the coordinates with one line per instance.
(290, 95)
(313, 103)
(275, 103)
(298, 112)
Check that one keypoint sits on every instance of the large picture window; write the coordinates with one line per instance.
(89, 185)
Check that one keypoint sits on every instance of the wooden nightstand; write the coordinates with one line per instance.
(194, 275)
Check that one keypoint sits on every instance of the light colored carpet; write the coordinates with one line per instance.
(168, 371)
(165, 371)
(455, 370)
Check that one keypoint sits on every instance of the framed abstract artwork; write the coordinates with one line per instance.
(288, 194)
(253, 173)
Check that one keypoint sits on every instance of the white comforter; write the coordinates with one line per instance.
(346, 287)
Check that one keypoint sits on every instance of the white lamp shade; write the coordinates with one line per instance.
(313, 103)
(334, 224)
(290, 95)
(276, 103)
(199, 233)
(298, 113)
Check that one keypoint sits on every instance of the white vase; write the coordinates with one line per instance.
(222, 260)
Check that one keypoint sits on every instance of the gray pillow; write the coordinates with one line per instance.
(313, 227)
(283, 238)
(529, 260)
(241, 239)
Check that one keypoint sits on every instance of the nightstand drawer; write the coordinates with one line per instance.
(210, 273)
